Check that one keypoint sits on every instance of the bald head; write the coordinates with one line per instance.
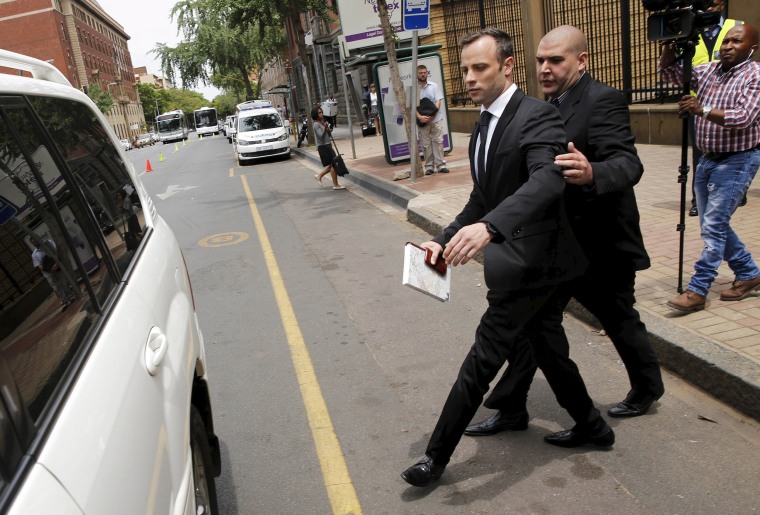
(568, 37)
(751, 34)
(738, 46)
(561, 60)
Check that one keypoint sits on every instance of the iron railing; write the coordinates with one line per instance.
(619, 53)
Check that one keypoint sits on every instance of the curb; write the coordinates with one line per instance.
(705, 364)
(392, 193)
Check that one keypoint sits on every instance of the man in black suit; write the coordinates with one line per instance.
(600, 168)
(516, 215)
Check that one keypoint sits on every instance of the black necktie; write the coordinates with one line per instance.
(554, 102)
(485, 119)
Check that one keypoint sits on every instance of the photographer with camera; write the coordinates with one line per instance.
(707, 50)
(727, 113)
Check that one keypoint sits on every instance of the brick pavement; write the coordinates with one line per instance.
(717, 349)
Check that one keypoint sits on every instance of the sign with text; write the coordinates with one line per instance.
(360, 22)
(394, 133)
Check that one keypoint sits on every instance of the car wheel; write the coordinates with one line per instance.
(203, 483)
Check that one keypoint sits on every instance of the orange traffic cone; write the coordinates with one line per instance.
(147, 166)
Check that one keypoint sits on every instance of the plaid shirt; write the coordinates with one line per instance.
(735, 92)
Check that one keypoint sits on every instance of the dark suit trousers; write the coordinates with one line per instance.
(608, 295)
(497, 339)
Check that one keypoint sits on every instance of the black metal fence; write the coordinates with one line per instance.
(464, 16)
(619, 52)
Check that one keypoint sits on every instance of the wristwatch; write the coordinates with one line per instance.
(706, 111)
(493, 231)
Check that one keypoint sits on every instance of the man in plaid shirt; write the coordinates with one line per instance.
(728, 131)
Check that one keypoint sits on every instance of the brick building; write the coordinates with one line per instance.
(88, 46)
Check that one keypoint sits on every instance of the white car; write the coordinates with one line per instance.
(104, 397)
(260, 132)
(125, 144)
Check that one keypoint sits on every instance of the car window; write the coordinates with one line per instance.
(260, 122)
(99, 171)
(61, 261)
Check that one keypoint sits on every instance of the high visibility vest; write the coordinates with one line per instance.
(700, 52)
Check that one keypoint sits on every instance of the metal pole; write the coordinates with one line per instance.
(413, 149)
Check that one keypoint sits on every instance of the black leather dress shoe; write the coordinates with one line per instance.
(423, 472)
(693, 211)
(572, 438)
(498, 422)
(633, 407)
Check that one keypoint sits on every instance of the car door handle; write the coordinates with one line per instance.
(155, 350)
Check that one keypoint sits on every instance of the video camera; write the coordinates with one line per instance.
(678, 20)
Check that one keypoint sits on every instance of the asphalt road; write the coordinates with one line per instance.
(328, 375)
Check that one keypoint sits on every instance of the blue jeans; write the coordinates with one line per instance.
(720, 186)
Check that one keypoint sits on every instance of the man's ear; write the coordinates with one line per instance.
(509, 64)
(583, 60)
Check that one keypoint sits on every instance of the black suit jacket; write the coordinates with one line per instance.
(521, 194)
(604, 217)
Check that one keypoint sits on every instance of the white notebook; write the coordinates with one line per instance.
(421, 276)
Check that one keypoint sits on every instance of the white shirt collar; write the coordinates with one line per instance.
(498, 105)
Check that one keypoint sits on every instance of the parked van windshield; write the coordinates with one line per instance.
(259, 122)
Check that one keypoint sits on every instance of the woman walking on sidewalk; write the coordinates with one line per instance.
(326, 153)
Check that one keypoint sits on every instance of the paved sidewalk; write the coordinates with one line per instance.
(717, 349)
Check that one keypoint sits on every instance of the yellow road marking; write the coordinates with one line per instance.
(340, 488)
(232, 172)
(223, 239)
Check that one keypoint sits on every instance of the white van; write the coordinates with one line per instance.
(104, 399)
(230, 127)
(260, 132)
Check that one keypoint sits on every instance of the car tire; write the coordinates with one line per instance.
(204, 488)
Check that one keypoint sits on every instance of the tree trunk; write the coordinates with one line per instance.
(247, 82)
(398, 86)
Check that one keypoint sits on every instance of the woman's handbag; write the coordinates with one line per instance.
(338, 164)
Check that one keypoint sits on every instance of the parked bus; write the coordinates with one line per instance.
(172, 126)
(206, 121)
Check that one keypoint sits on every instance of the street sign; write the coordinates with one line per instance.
(415, 15)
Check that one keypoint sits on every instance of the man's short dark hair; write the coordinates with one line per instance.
(421, 67)
(504, 46)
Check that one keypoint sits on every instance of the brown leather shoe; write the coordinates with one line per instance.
(688, 301)
(740, 289)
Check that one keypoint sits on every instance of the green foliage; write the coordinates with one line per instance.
(102, 99)
(268, 13)
(168, 100)
(215, 48)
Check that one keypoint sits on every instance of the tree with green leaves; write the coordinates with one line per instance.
(215, 47)
(267, 13)
(168, 100)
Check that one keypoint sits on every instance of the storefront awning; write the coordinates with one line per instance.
(381, 56)
(282, 89)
